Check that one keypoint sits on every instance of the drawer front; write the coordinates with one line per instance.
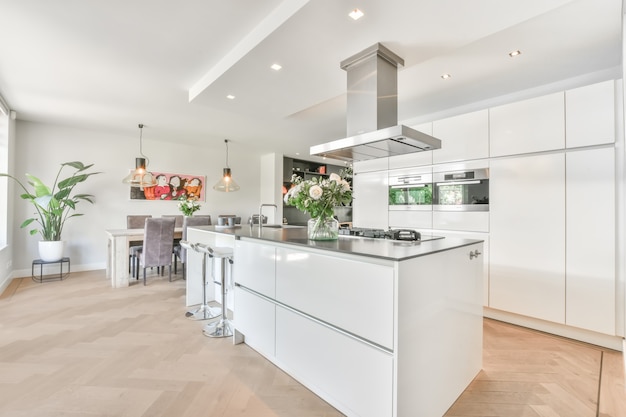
(351, 295)
(255, 267)
(353, 377)
(255, 317)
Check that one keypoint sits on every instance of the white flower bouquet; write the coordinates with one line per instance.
(188, 206)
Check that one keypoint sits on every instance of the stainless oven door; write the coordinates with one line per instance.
(411, 192)
(461, 191)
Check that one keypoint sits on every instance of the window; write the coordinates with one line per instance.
(4, 166)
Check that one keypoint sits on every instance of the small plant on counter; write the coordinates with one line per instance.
(188, 206)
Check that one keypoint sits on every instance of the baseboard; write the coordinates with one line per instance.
(7, 280)
(611, 342)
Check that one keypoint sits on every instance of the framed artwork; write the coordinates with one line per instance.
(171, 187)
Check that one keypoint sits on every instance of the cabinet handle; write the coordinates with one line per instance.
(474, 254)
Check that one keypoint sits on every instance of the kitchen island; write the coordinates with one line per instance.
(375, 327)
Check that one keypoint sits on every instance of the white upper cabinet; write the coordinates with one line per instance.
(462, 137)
(414, 159)
(376, 164)
(532, 125)
(590, 115)
(591, 240)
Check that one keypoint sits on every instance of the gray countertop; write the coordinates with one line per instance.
(377, 248)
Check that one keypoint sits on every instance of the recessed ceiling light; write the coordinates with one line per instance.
(446, 76)
(276, 67)
(515, 53)
(230, 97)
(356, 14)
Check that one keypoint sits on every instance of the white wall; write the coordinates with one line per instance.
(41, 148)
(6, 252)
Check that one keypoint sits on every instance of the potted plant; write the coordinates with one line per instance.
(54, 206)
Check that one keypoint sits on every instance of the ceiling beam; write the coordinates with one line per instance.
(268, 25)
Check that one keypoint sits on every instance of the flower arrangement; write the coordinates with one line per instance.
(188, 206)
(318, 196)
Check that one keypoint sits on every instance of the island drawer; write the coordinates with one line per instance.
(354, 296)
(354, 377)
(255, 267)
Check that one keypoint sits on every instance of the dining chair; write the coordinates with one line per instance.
(178, 217)
(179, 251)
(158, 243)
(135, 221)
(204, 215)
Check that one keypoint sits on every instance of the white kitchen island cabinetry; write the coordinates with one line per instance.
(377, 328)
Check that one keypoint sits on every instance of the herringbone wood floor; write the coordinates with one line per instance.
(80, 348)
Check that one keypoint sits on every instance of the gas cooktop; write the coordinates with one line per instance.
(392, 234)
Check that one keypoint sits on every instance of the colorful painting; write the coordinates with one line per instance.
(171, 187)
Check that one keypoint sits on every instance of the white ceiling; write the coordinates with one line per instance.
(111, 64)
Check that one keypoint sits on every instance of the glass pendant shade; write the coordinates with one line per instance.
(140, 177)
(226, 183)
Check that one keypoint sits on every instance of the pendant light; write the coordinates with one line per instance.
(226, 183)
(140, 177)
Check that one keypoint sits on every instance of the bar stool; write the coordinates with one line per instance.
(223, 327)
(205, 311)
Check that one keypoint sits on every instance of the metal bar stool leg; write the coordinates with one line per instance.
(222, 328)
(204, 311)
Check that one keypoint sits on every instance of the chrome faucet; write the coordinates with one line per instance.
(261, 213)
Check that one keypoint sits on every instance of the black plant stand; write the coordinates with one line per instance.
(50, 277)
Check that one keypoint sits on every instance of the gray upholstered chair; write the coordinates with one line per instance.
(178, 217)
(135, 221)
(158, 243)
(179, 251)
(204, 215)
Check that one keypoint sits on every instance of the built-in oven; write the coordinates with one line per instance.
(410, 191)
(466, 190)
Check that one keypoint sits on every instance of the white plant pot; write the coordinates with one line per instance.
(50, 251)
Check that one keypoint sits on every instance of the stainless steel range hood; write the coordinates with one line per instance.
(372, 111)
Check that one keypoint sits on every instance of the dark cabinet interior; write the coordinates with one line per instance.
(307, 169)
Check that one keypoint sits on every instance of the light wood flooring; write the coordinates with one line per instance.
(77, 347)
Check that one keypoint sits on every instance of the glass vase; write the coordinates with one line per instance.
(326, 228)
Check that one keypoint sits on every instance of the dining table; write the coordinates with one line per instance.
(118, 253)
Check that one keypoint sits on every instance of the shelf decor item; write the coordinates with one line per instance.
(188, 206)
(54, 206)
(318, 197)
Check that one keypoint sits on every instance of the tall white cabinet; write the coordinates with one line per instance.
(552, 229)
(370, 198)
(590, 256)
(527, 245)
